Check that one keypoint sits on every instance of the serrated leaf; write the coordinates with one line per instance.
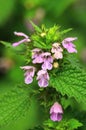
(14, 104)
(72, 82)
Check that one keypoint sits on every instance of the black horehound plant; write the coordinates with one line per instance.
(58, 79)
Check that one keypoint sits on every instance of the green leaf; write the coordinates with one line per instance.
(69, 124)
(6, 44)
(14, 104)
(74, 124)
(65, 31)
(17, 50)
(70, 81)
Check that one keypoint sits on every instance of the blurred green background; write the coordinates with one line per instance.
(15, 15)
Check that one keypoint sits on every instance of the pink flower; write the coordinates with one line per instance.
(57, 50)
(56, 47)
(56, 112)
(47, 61)
(67, 44)
(42, 77)
(26, 38)
(37, 56)
(29, 74)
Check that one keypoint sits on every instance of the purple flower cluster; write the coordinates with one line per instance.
(46, 59)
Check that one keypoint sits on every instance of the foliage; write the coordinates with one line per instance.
(65, 124)
(70, 81)
(14, 104)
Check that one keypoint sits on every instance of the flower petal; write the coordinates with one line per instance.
(58, 55)
(56, 48)
(53, 117)
(43, 83)
(28, 79)
(70, 39)
(46, 65)
(50, 59)
(21, 34)
(59, 117)
(37, 59)
(56, 108)
(72, 50)
(18, 43)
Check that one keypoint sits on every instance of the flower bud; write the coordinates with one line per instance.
(55, 64)
(43, 34)
(56, 112)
